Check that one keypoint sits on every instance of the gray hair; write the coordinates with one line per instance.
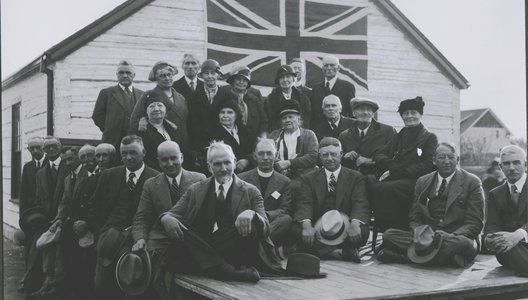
(332, 97)
(36, 139)
(512, 149)
(449, 145)
(219, 145)
(266, 141)
(106, 146)
(125, 63)
(86, 148)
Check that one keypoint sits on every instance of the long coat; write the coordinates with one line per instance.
(28, 183)
(49, 195)
(503, 215)
(242, 150)
(464, 214)
(70, 189)
(342, 89)
(155, 200)
(111, 113)
(324, 130)
(181, 86)
(274, 100)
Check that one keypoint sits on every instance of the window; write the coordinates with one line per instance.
(16, 152)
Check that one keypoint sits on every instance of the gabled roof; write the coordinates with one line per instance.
(468, 118)
(121, 12)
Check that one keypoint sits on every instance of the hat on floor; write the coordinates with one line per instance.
(304, 265)
(425, 244)
(331, 228)
(48, 238)
(134, 272)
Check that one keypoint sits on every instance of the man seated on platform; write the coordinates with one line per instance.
(219, 226)
(447, 215)
(507, 220)
(326, 195)
(335, 122)
(275, 189)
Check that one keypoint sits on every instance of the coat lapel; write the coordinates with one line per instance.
(321, 186)
(254, 178)
(201, 193)
(523, 199)
(236, 196)
(273, 185)
(118, 95)
(163, 192)
(342, 182)
(419, 141)
(454, 189)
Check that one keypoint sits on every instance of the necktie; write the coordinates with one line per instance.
(442, 188)
(362, 134)
(175, 188)
(514, 195)
(235, 136)
(192, 86)
(333, 125)
(327, 88)
(220, 197)
(332, 184)
(131, 184)
(128, 92)
(38, 164)
(74, 178)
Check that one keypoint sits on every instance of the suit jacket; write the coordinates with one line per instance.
(503, 214)
(376, 139)
(242, 150)
(49, 195)
(28, 184)
(155, 200)
(176, 112)
(70, 189)
(464, 214)
(277, 183)
(110, 113)
(351, 195)
(107, 192)
(80, 206)
(274, 100)
(342, 89)
(181, 86)
(306, 150)
(324, 130)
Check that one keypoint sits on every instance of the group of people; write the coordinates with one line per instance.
(192, 176)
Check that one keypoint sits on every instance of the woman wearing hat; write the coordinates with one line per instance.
(285, 79)
(229, 128)
(407, 157)
(158, 129)
(162, 74)
(296, 146)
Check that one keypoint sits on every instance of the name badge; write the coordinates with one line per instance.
(275, 195)
(419, 151)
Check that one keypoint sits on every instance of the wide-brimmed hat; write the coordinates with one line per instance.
(160, 65)
(86, 239)
(331, 229)
(289, 107)
(33, 218)
(412, 104)
(355, 102)
(48, 238)
(134, 272)
(284, 70)
(425, 245)
(110, 243)
(304, 265)
(241, 71)
(210, 65)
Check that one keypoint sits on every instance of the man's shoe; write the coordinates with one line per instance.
(246, 275)
(388, 256)
(351, 254)
(460, 260)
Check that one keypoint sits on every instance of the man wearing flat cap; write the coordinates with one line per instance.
(365, 137)
(114, 106)
(189, 82)
(331, 85)
(335, 123)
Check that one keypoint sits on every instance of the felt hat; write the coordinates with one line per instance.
(134, 272)
(19, 237)
(331, 228)
(304, 265)
(86, 239)
(48, 238)
(110, 243)
(153, 96)
(240, 71)
(284, 70)
(355, 102)
(160, 65)
(289, 107)
(33, 218)
(210, 65)
(425, 244)
(412, 104)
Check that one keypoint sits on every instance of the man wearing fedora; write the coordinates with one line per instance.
(507, 220)
(335, 122)
(115, 202)
(332, 213)
(331, 85)
(220, 225)
(446, 217)
(190, 81)
(364, 137)
(275, 189)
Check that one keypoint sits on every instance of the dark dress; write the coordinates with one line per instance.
(273, 103)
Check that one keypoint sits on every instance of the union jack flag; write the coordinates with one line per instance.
(264, 34)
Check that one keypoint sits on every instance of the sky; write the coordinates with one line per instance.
(483, 39)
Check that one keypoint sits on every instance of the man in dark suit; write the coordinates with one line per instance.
(115, 104)
(334, 123)
(507, 220)
(220, 225)
(329, 189)
(365, 137)
(190, 82)
(274, 187)
(115, 202)
(331, 86)
(451, 202)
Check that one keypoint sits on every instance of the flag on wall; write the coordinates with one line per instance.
(264, 34)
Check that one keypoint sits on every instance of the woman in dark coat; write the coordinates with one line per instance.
(405, 159)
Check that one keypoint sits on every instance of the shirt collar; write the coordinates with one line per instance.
(448, 178)
(123, 87)
(76, 171)
(41, 161)
(138, 172)
(191, 80)
(55, 162)
(226, 185)
(94, 171)
(178, 178)
(336, 122)
(264, 174)
(364, 130)
(331, 81)
(336, 173)
(519, 184)
(296, 133)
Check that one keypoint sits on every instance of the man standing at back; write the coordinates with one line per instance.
(189, 83)
(115, 104)
(331, 85)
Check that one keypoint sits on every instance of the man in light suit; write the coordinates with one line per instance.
(451, 202)
(189, 82)
(275, 189)
(114, 106)
(334, 123)
(507, 220)
(328, 189)
(220, 225)
(331, 85)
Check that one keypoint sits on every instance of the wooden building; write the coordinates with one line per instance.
(55, 93)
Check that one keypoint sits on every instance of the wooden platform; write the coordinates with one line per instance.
(374, 280)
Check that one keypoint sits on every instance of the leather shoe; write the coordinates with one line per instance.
(246, 275)
(43, 289)
(388, 256)
(351, 254)
(460, 260)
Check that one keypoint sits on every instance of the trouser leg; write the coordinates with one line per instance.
(516, 259)
(280, 226)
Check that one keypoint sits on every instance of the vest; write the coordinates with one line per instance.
(211, 212)
(437, 204)
(125, 207)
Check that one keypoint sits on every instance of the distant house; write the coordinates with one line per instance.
(55, 93)
(482, 135)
